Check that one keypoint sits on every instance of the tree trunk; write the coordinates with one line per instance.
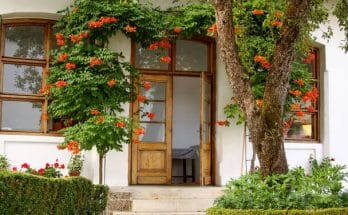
(264, 124)
(101, 156)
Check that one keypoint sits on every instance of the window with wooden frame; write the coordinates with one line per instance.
(187, 57)
(24, 63)
(307, 127)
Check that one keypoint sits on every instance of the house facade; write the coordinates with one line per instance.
(188, 96)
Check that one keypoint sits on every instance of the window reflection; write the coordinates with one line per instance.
(24, 42)
(23, 116)
(22, 79)
(191, 56)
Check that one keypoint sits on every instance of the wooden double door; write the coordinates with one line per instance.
(151, 157)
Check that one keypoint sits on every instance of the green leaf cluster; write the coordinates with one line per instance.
(320, 188)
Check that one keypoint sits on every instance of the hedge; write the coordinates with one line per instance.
(22, 193)
(328, 211)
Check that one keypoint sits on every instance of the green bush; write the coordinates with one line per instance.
(322, 188)
(328, 211)
(22, 193)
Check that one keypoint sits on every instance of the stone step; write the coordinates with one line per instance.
(157, 213)
(170, 192)
(174, 205)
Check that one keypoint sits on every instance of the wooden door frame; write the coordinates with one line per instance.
(171, 72)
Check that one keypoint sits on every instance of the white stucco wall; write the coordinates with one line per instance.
(231, 158)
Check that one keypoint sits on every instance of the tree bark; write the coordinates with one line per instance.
(101, 156)
(265, 124)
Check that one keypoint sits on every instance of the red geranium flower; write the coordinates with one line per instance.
(25, 166)
(62, 166)
(56, 165)
(47, 165)
(41, 171)
(14, 169)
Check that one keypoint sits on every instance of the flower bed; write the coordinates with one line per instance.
(328, 211)
(22, 193)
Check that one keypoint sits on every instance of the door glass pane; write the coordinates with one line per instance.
(150, 59)
(24, 116)
(154, 132)
(158, 108)
(156, 92)
(22, 79)
(24, 41)
(191, 56)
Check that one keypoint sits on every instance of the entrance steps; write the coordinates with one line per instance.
(161, 200)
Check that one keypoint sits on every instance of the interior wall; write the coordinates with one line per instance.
(186, 111)
(186, 122)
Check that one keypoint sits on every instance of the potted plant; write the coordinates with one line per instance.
(75, 164)
(4, 164)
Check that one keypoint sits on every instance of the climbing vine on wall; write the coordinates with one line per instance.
(89, 84)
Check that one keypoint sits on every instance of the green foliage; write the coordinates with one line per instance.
(224, 211)
(22, 193)
(322, 188)
(4, 163)
(342, 15)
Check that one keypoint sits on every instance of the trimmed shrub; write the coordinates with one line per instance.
(22, 193)
(328, 211)
(322, 188)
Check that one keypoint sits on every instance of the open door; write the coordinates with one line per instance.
(205, 130)
(151, 157)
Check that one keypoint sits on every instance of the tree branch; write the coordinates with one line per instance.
(277, 83)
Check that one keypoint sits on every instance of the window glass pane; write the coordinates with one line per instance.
(24, 116)
(156, 92)
(301, 128)
(150, 59)
(153, 132)
(24, 42)
(158, 108)
(191, 56)
(22, 79)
